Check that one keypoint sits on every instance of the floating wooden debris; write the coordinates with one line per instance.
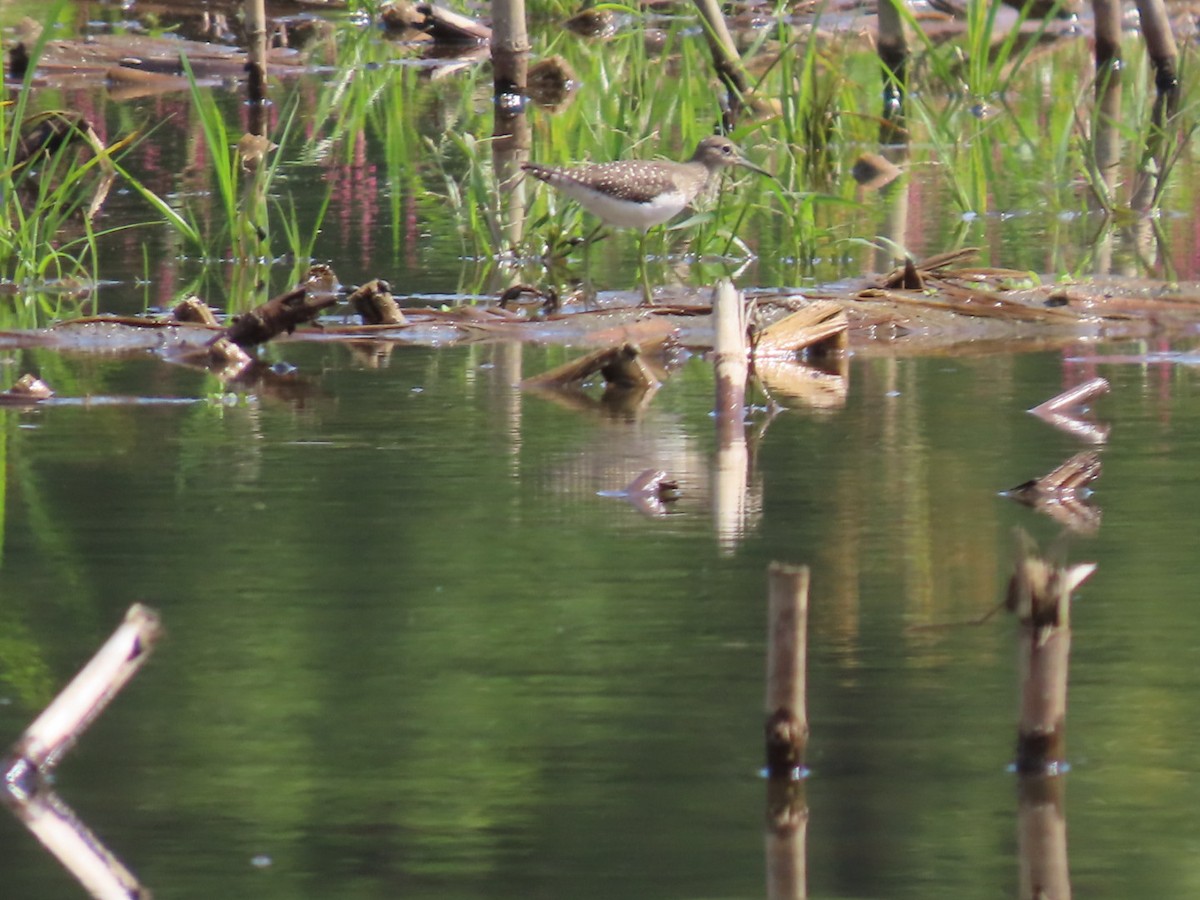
(375, 304)
(821, 326)
(1062, 494)
(226, 358)
(279, 315)
(441, 24)
(621, 366)
(1039, 594)
(27, 390)
(194, 310)
(592, 23)
(548, 298)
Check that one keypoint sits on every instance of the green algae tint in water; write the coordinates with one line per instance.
(411, 652)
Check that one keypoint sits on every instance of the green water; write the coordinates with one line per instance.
(412, 652)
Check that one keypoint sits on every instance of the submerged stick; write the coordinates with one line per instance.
(787, 656)
(69, 714)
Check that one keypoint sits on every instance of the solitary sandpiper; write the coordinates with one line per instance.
(637, 193)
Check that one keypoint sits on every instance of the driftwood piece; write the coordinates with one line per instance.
(1062, 493)
(279, 315)
(822, 326)
(446, 26)
(376, 305)
(622, 366)
(27, 390)
(194, 310)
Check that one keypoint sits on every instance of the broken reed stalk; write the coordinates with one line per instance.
(1069, 399)
(786, 728)
(69, 714)
(1039, 593)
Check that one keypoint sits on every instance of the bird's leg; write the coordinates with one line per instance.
(643, 269)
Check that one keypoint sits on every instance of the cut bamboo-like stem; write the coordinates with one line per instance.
(787, 639)
(1072, 398)
(69, 714)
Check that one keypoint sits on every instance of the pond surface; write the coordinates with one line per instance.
(414, 647)
(412, 652)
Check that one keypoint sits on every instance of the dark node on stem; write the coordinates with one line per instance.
(1039, 752)
(786, 739)
(18, 61)
(256, 85)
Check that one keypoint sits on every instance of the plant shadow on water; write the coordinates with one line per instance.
(414, 644)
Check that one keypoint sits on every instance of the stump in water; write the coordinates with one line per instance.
(1039, 593)
(786, 727)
